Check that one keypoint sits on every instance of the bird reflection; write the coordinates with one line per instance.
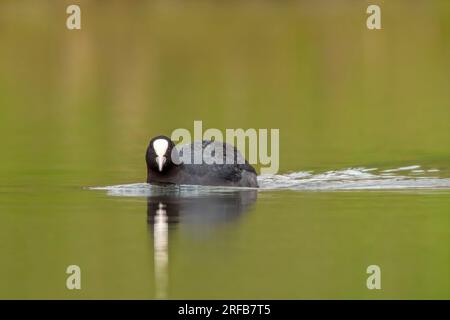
(161, 252)
(200, 212)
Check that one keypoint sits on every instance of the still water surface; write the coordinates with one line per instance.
(302, 235)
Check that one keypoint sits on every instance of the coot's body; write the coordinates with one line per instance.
(166, 164)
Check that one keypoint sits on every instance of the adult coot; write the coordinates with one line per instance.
(209, 163)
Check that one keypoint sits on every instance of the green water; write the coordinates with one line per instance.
(77, 109)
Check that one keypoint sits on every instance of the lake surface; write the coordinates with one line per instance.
(364, 173)
(313, 241)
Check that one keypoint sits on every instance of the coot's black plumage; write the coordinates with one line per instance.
(165, 164)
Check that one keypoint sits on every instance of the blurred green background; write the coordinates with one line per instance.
(77, 109)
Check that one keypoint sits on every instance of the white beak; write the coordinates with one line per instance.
(160, 161)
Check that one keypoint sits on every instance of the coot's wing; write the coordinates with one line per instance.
(212, 152)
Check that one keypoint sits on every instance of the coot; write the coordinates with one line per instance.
(199, 163)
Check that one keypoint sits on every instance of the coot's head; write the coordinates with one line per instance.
(159, 154)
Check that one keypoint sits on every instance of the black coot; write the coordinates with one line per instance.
(167, 164)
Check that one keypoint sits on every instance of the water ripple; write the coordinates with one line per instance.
(356, 179)
(411, 177)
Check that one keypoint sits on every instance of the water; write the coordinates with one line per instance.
(198, 214)
(364, 158)
(347, 179)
